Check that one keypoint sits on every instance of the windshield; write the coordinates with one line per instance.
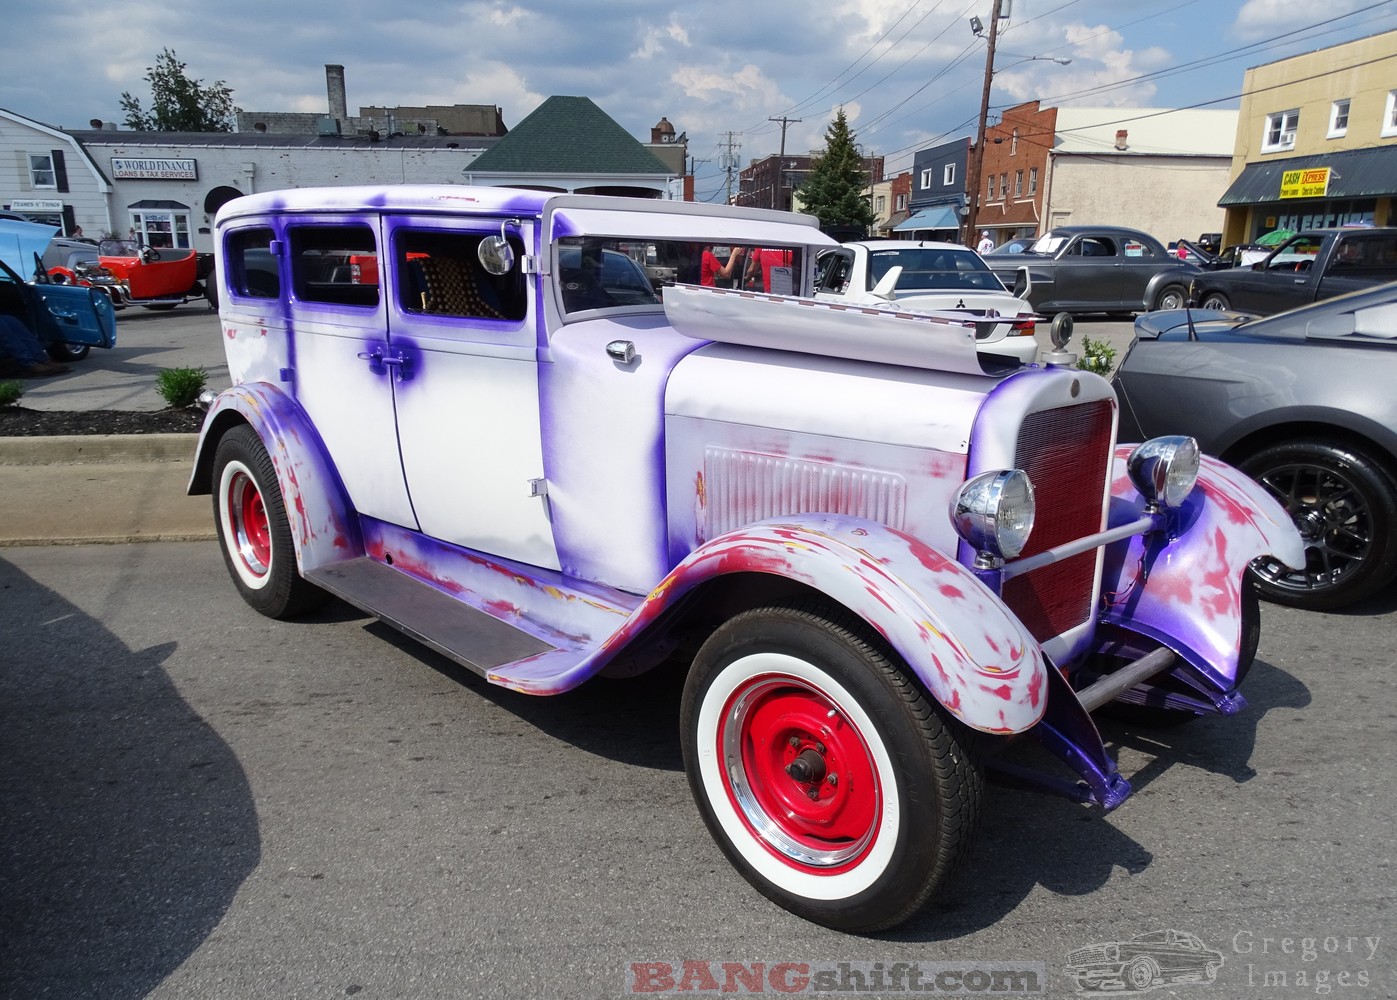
(119, 248)
(599, 272)
(931, 268)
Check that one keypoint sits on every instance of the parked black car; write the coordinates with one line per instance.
(1309, 266)
(1301, 401)
(1083, 269)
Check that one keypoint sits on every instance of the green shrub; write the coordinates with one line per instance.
(10, 391)
(181, 386)
(1097, 356)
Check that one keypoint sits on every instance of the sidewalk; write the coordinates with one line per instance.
(109, 488)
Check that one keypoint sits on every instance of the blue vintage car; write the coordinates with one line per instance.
(67, 319)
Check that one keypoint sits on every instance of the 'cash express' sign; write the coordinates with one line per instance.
(1310, 183)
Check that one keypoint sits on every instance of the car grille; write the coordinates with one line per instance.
(1066, 452)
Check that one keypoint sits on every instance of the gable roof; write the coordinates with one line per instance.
(569, 135)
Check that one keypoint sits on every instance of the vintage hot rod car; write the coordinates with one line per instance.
(879, 556)
(153, 277)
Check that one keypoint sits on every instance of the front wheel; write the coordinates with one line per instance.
(1345, 504)
(1215, 300)
(831, 782)
(1170, 297)
(253, 530)
(64, 353)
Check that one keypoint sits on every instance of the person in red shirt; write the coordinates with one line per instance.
(759, 265)
(710, 270)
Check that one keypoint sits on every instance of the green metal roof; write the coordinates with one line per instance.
(568, 135)
(1355, 173)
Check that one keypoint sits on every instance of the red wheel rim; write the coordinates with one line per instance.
(800, 774)
(247, 516)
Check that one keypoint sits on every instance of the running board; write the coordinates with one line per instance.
(471, 637)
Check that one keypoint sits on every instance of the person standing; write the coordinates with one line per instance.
(710, 271)
(986, 244)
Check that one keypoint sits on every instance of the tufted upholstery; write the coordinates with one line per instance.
(452, 289)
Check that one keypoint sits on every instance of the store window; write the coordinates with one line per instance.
(1280, 131)
(161, 227)
(1338, 119)
(41, 173)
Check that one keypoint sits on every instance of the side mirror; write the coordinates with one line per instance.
(1023, 284)
(495, 253)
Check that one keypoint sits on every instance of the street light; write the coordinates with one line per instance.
(977, 156)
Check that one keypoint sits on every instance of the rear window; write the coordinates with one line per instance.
(251, 269)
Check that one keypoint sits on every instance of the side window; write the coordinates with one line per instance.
(250, 267)
(832, 272)
(439, 274)
(337, 264)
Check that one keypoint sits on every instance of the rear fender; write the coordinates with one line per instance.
(1184, 590)
(971, 654)
(324, 526)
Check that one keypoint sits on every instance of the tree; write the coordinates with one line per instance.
(179, 104)
(833, 190)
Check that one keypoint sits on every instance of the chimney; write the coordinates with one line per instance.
(1120, 138)
(334, 87)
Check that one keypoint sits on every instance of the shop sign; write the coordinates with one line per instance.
(126, 168)
(35, 205)
(1310, 183)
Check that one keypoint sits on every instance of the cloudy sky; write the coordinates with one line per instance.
(907, 72)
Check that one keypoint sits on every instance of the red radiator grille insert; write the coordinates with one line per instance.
(1066, 453)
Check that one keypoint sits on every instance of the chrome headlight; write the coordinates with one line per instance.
(1164, 469)
(993, 512)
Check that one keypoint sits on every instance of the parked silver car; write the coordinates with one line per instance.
(1302, 401)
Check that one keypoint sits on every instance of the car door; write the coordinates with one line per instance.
(1282, 281)
(1086, 275)
(467, 393)
(63, 314)
(76, 314)
(1138, 263)
(343, 367)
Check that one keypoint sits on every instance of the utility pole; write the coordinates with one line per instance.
(780, 159)
(730, 160)
(977, 155)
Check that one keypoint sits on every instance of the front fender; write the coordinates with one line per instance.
(972, 655)
(1184, 590)
(324, 526)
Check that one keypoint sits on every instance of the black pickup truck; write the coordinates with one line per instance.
(1311, 265)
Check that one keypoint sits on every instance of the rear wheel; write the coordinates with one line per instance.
(1345, 505)
(64, 353)
(1170, 297)
(253, 530)
(1214, 300)
(832, 783)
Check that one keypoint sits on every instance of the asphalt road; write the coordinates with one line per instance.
(200, 802)
(187, 336)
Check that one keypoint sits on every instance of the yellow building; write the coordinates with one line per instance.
(1316, 141)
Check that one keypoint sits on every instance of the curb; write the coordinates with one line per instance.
(60, 449)
(103, 488)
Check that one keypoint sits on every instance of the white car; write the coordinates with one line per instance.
(922, 276)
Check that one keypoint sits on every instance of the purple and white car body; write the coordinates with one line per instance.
(460, 410)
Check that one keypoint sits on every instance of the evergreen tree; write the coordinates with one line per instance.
(179, 104)
(833, 190)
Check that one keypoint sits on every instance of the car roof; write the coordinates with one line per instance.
(1109, 230)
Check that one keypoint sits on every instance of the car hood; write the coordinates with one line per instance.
(1153, 325)
(20, 241)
